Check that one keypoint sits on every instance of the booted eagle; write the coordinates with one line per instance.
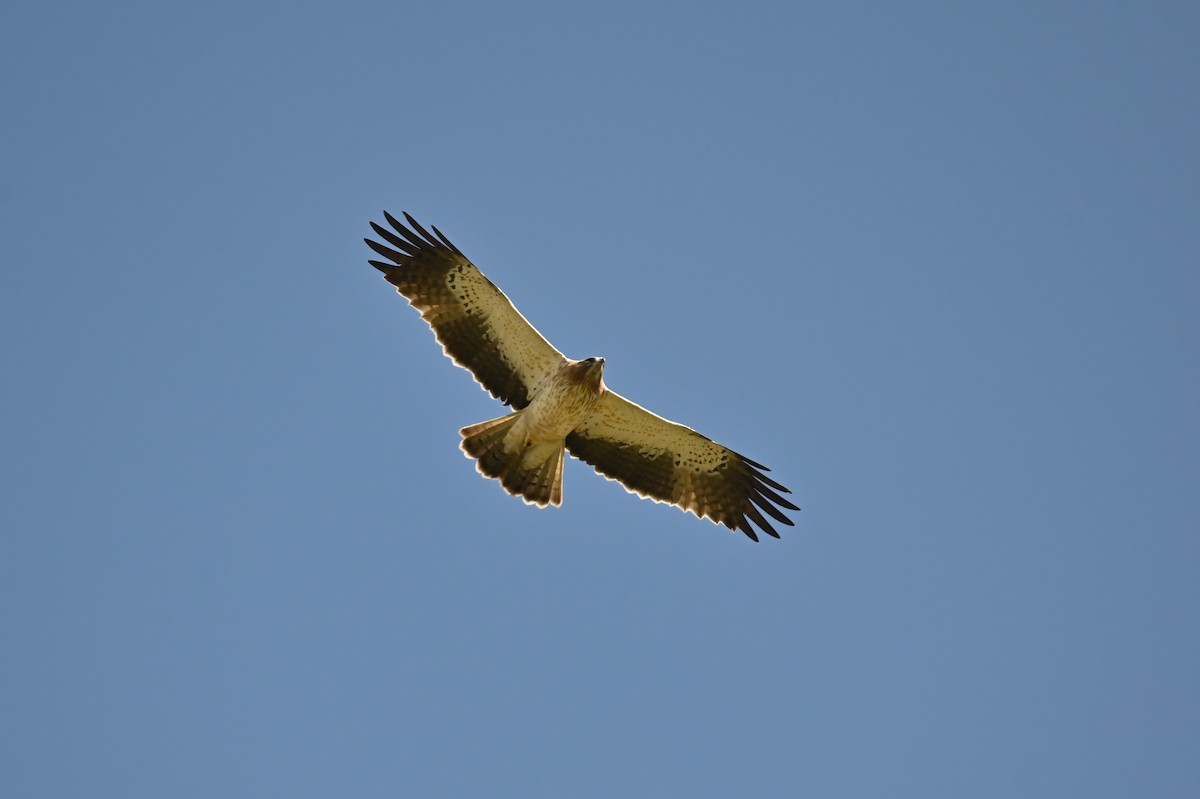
(561, 403)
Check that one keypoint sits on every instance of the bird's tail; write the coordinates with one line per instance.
(532, 472)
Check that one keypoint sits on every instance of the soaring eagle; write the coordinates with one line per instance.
(562, 403)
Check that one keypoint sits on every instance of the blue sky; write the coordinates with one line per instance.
(935, 264)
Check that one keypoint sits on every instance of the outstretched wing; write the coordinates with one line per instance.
(477, 325)
(668, 462)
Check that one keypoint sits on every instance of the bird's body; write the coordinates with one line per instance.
(563, 399)
(524, 450)
(561, 404)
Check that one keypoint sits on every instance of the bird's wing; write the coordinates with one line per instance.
(668, 462)
(477, 325)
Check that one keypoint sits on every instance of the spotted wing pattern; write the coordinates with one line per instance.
(478, 327)
(668, 462)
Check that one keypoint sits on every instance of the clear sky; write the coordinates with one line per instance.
(936, 264)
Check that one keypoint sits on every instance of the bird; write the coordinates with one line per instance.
(558, 404)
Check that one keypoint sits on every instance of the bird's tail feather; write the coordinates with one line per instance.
(532, 472)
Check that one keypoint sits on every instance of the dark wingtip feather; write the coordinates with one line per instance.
(445, 240)
(748, 530)
(765, 504)
(770, 482)
(756, 517)
(420, 230)
(386, 252)
(778, 500)
(391, 220)
(391, 238)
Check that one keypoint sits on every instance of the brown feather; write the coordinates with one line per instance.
(477, 325)
(671, 463)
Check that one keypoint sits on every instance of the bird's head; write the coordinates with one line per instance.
(590, 372)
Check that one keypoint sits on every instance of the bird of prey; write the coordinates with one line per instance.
(562, 404)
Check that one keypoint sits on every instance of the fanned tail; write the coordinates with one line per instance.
(533, 473)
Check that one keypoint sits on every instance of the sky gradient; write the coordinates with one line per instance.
(936, 264)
